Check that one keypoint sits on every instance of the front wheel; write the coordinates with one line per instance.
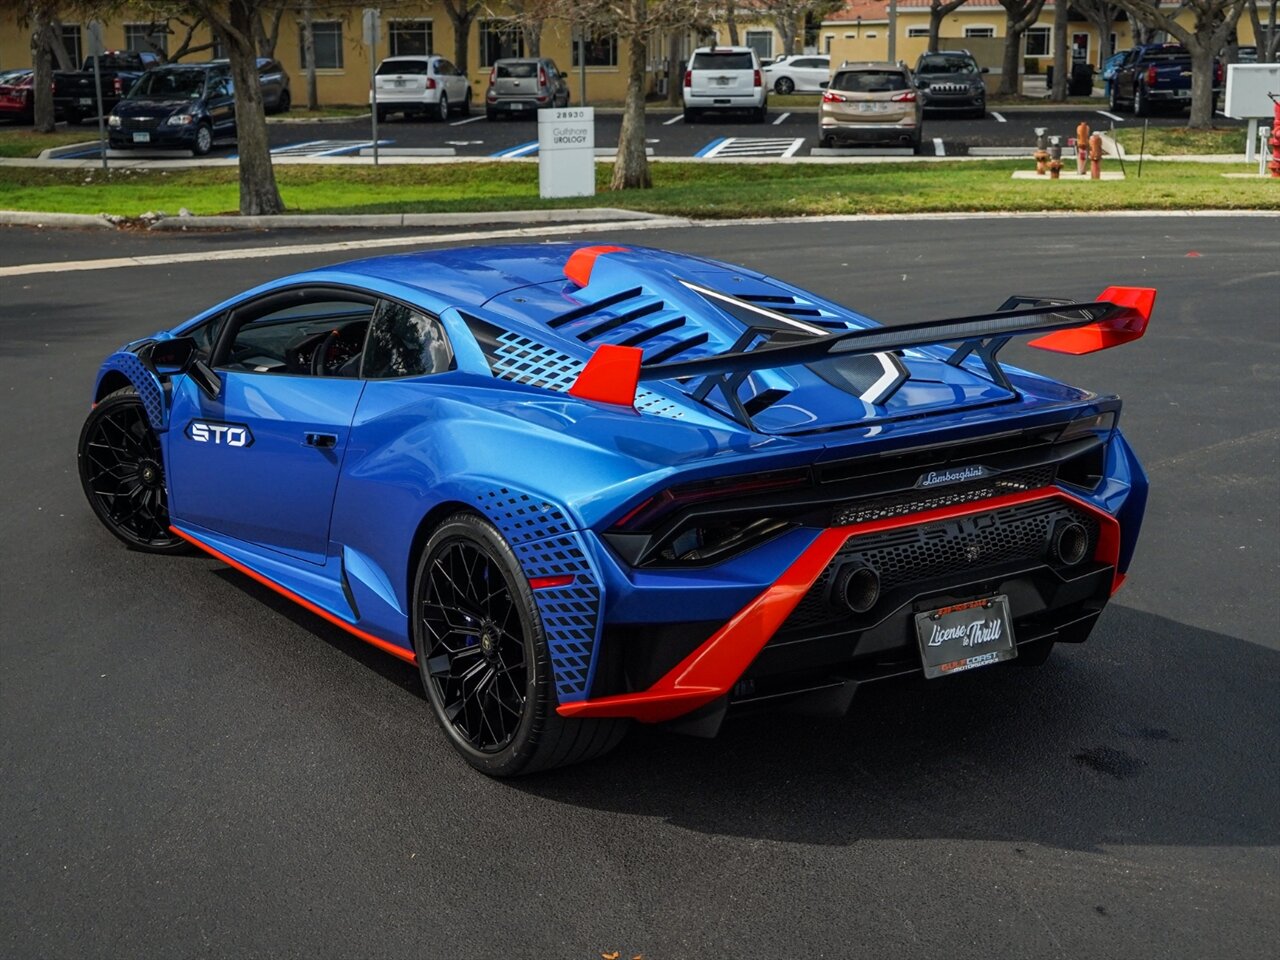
(484, 659)
(284, 103)
(122, 473)
(466, 104)
(204, 140)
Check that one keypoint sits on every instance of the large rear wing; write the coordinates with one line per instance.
(1120, 314)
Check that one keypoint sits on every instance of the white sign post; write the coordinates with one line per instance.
(372, 23)
(96, 50)
(567, 152)
(1249, 90)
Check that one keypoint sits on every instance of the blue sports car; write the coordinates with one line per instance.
(581, 486)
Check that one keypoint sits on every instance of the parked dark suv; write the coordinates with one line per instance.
(950, 81)
(177, 107)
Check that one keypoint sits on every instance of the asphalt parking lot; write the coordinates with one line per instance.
(193, 767)
(786, 132)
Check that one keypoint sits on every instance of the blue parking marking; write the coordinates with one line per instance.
(709, 147)
(520, 150)
(353, 148)
(80, 155)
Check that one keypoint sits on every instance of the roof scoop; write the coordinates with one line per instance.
(579, 266)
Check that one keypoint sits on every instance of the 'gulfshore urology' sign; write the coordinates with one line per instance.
(567, 152)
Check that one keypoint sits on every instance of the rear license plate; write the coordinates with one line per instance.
(965, 636)
(398, 83)
(141, 136)
(722, 81)
(86, 101)
(1183, 94)
(517, 106)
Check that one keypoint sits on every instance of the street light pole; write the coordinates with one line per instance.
(893, 31)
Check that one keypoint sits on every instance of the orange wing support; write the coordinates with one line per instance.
(1129, 323)
(578, 267)
(610, 376)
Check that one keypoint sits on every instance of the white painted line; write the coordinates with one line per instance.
(999, 117)
(781, 118)
(458, 123)
(795, 145)
(715, 151)
(676, 119)
(1110, 116)
(938, 149)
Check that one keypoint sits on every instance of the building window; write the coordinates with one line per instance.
(327, 36)
(147, 38)
(871, 34)
(826, 43)
(499, 39)
(1038, 41)
(410, 38)
(919, 32)
(980, 33)
(70, 35)
(761, 41)
(601, 51)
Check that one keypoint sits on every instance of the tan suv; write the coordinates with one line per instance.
(870, 103)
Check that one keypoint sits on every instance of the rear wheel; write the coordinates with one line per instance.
(784, 85)
(122, 473)
(758, 114)
(1141, 103)
(442, 108)
(1113, 102)
(484, 659)
(284, 103)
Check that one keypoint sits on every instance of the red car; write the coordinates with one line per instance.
(16, 100)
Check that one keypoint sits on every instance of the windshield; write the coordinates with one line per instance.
(721, 61)
(517, 70)
(869, 81)
(410, 67)
(169, 85)
(946, 65)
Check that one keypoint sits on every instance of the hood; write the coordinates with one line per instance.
(144, 107)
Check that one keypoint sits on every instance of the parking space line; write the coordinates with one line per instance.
(520, 150)
(795, 146)
(676, 119)
(291, 147)
(781, 118)
(938, 149)
(1110, 116)
(713, 145)
(999, 117)
(352, 148)
(458, 123)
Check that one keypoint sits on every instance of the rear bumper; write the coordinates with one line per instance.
(853, 132)
(162, 138)
(748, 101)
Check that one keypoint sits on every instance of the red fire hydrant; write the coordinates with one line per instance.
(1082, 147)
(1273, 142)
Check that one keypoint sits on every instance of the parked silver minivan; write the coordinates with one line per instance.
(522, 85)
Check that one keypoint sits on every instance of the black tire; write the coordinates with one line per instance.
(383, 114)
(1113, 102)
(73, 117)
(490, 113)
(1141, 105)
(758, 114)
(203, 142)
(442, 108)
(466, 104)
(784, 86)
(122, 474)
(502, 734)
(284, 103)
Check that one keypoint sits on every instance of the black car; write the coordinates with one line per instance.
(176, 107)
(950, 81)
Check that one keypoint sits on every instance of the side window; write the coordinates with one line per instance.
(315, 335)
(405, 343)
(206, 335)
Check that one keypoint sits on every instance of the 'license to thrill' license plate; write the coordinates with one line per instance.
(965, 636)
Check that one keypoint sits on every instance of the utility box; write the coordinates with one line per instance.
(1249, 90)
(567, 152)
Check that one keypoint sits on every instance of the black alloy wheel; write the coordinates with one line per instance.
(484, 660)
(122, 473)
(784, 85)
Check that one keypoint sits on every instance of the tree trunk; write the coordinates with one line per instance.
(1201, 87)
(461, 34)
(309, 53)
(631, 168)
(935, 27)
(731, 21)
(42, 61)
(533, 38)
(675, 78)
(1011, 69)
(258, 191)
(1061, 62)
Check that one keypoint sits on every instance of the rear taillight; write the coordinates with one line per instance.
(431, 83)
(829, 97)
(117, 85)
(493, 76)
(725, 488)
(1217, 74)
(688, 78)
(759, 80)
(1151, 76)
(542, 77)
(907, 97)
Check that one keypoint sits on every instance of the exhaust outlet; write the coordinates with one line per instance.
(859, 588)
(1070, 543)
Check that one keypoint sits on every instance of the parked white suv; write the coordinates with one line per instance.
(428, 85)
(724, 78)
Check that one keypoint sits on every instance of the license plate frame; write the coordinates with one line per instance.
(86, 101)
(141, 136)
(965, 636)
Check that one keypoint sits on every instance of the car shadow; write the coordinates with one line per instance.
(1153, 732)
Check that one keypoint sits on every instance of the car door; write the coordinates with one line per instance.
(260, 461)
(271, 81)
(452, 81)
(221, 104)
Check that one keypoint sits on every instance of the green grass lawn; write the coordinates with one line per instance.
(684, 189)
(1181, 141)
(26, 143)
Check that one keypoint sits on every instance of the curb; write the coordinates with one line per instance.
(53, 153)
(22, 218)
(307, 221)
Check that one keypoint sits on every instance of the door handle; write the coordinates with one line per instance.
(325, 441)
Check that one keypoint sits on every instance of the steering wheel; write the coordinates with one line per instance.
(319, 363)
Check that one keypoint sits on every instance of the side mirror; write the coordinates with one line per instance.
(824, 84)
(172, 358)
